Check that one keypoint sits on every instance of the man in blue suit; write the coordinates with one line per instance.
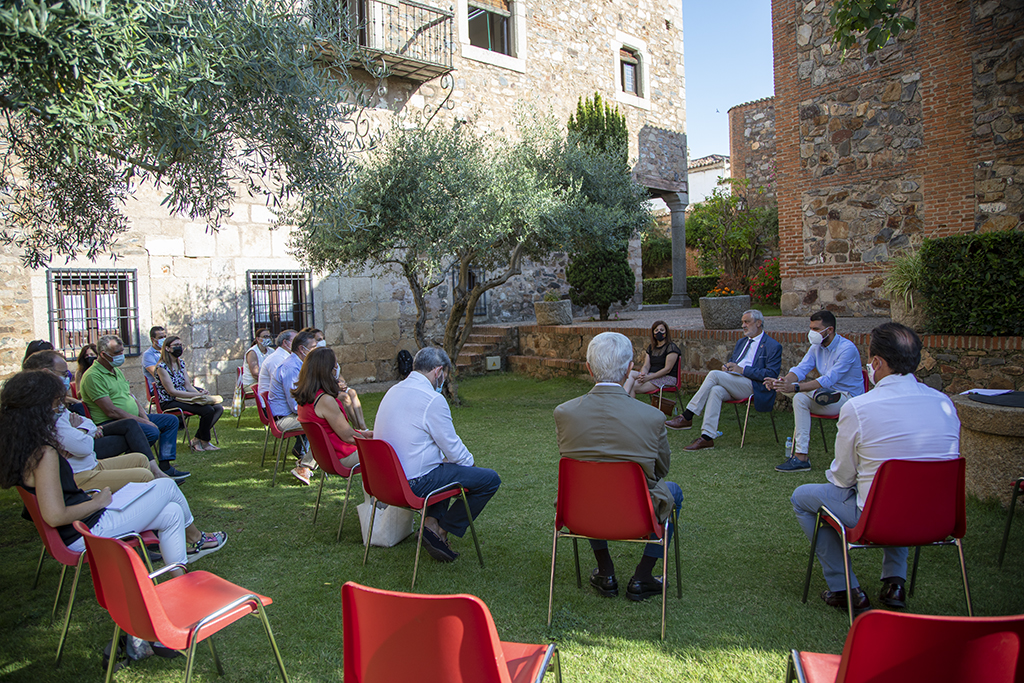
(755, 357)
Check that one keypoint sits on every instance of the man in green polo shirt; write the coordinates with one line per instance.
(108, 396)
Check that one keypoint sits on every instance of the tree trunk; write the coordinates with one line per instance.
(421, 304)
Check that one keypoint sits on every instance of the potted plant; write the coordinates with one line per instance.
(722, 308)
(553, 310)
(902, 285)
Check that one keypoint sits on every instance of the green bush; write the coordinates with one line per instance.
(766, 285)
(600, 277)
(659, 290)
(656, 253)
(973, 283)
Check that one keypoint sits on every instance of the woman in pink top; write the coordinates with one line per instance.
(319, 378)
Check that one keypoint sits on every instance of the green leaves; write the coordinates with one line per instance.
(880, 19)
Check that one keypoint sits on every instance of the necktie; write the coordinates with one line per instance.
(743, 353)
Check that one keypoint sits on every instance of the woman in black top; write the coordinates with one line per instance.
(29, 458)
(659, 368)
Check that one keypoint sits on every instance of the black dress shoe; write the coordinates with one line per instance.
(607, 586)
(837, 599)
(437, 547)
(893, 595)
(638, 590)
(177, 475)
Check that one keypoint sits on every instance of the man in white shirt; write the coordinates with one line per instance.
(899, 418)
(415, 419)
(273, 360)
(755, 357)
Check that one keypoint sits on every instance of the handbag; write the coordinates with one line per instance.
(665, 405)
(238, 401)
(202, 399)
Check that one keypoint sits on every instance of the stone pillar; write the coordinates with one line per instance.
(677, 202)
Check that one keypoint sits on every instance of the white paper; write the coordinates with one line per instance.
(127, 494)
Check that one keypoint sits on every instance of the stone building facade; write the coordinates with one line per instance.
(207, 287)
(923, 138)
(752, 144)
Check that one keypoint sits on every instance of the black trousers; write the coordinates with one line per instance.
(122, 436)
(208, 415)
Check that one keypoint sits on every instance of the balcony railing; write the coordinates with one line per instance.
(413, 40)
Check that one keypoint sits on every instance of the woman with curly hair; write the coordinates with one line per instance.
(319, 377)
(28, 458)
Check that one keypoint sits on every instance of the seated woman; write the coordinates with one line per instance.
(319, 377)
(254, 358)
(86, 357)
(659, 368)
(349, 397)
(28, 402)
(173, 384)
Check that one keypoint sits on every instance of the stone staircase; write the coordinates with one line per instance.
(483, 342)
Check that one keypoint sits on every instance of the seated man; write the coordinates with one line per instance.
(151, 356)
(837, 361)
(607, 426)
(900, 418)
(107, 394)
(349, 397)
(283, 405)
(755, 357)
(273, 360)
(415, 419)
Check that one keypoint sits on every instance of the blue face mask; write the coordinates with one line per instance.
(440, 387)
(67, 384)
(118, 360)
(160, 343)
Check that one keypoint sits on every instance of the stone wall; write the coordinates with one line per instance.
(752, 144)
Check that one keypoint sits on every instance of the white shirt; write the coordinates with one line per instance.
(77, 442)
(749, 351)
(247, 378)
(269, 366)
(417, 422)
(900, 418)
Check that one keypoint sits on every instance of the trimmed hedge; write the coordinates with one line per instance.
(973, 283)
(659, 290)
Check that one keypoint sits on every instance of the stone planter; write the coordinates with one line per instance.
(914, 318)
(553, 312)
(723, 312)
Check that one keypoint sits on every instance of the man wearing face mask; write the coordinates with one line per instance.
(837, 361)
(283, 404)
(415, 419)
(900, 418)
(107, 394)
(151, 356)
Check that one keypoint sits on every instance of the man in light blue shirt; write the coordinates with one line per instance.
(837, 361)
(151, 356)
(283, 404)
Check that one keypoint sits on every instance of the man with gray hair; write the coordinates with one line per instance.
(755, 357)
(415, 419)
(606, 425)
(273, 360)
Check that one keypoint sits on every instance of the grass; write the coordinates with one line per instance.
(743, 562)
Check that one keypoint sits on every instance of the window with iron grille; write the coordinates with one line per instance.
(475, 276)
(279, 300)
(490, 25)
(86, 304)
(630, 66)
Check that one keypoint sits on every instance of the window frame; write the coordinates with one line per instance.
(302, 308)
(90, 284)
(517, 45)
(638, 48)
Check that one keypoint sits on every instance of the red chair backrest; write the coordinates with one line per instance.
(913, 502)
(52, 541)
(323, 451)
(74, 390)
(261, 408)
(606, 500)
(383, 475)
(867, 382)
(271, 422)
(151, 399)
(887, 647)
(390, 636)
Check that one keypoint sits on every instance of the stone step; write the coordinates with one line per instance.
(485, 338)
(477, 348)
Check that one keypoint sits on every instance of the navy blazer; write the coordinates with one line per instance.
(767, 363)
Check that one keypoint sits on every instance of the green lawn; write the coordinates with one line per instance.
(743, 561)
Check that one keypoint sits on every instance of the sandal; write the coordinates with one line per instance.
(200, 548)
(210, 447)
(195, 445)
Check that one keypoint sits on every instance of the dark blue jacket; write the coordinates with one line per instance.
(767, 363)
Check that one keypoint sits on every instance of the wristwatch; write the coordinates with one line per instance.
(796, 387)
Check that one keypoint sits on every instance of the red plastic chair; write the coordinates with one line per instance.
(384, 479)
(609, 501)
(912, 503)
(671, 388)
(74, 394)
(179, 612)
(392, 636)
(1018, 487)
(54, 545)
(261, 411)
(154, 404)
(279, 436)
(74, 390)
(247, 393)
(835, 418)
(330, 463)
(887, 647)
(749, 400)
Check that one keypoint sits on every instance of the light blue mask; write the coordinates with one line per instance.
(160, 343)
(67, 384)
(440, 387)
(118, 360)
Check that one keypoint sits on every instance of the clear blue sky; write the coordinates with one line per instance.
(728, 59)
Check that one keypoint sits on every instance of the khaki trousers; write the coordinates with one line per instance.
(116, 472)
(718, 386)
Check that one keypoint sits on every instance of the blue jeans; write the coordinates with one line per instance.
(806, 500)
(480, 484)
(650, 549)
(166, 431)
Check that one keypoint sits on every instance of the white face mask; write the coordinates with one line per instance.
(322, 343)
(871, 373)
(337, 372)
(815, 337)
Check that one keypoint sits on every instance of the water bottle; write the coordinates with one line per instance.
(789, 447)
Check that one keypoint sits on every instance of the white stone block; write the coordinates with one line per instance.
(165, 246)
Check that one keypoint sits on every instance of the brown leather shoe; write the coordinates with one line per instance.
(700, 443)
(837, 599)
(679, 422)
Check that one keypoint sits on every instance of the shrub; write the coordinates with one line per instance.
(973, 283)
(656, 253)
(766, 285)
(659, 290)
(600, 277)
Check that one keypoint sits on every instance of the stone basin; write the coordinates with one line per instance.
(992, 442)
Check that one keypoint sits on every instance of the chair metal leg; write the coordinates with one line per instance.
(320, 492)
(846, 573)
(771, 414)
(664, 579)
(419, 543)
(551, 585)
(71, 606)
(344, 506)
(576, 554)
(266, 438)
(1009, 520)
(675, 539)
(190, 660)
(472, 528)
(963, 573)
(821, 426)
(60, 588)
(42, 555)
(913, 572)
(743, 437)
(113, 654)
(216, 659)
(273, 643)
(737, 409)
(278, 452)
(810, 560)
(369, 532)
(239, 421)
